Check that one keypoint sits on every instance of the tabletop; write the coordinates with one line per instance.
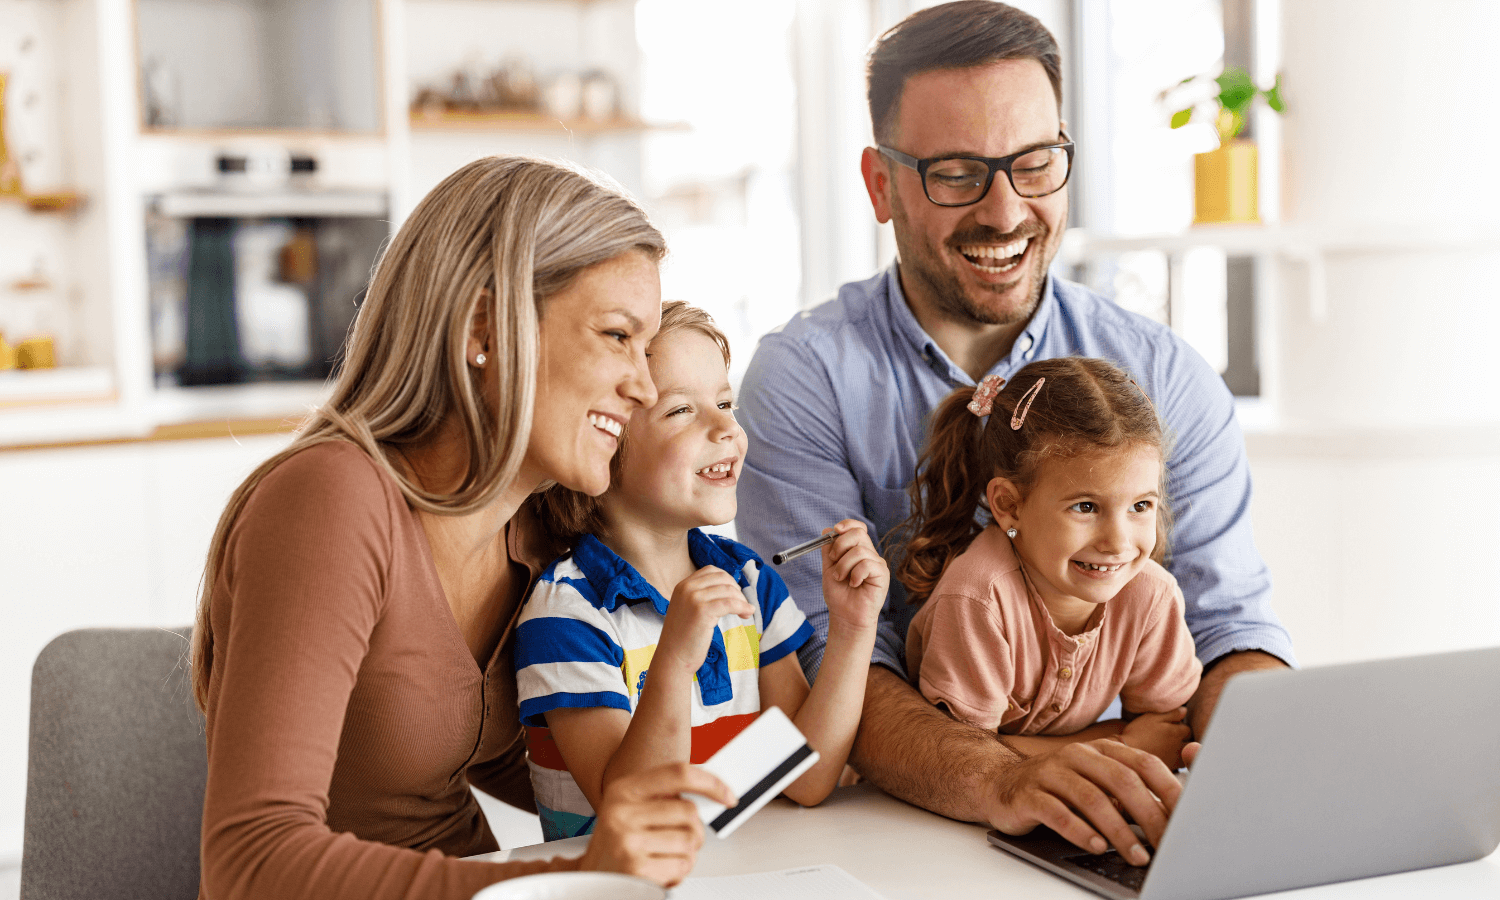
(905, 853)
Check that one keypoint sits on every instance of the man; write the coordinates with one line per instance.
(835, 404)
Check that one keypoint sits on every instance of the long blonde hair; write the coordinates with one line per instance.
(510, 231)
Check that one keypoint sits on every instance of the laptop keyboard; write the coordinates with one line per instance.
(1112, 866)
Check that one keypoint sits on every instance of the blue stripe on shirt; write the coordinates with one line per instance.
(553, 639)
(534, 711)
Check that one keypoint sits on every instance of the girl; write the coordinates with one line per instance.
(613, 676)
(1037, 620)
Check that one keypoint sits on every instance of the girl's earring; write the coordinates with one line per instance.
(1010, 533)
(480, 359)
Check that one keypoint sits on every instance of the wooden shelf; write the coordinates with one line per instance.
(532, 122)
(55, 202)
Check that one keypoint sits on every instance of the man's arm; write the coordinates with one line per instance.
(911, 750)
(1201, 707)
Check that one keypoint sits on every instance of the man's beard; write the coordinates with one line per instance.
(947, 291)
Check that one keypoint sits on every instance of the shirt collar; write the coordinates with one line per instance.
(614, 580)
(905, 323)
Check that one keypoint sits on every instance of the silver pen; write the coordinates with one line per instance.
(792, 553)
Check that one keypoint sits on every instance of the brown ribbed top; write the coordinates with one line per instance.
(346, 715)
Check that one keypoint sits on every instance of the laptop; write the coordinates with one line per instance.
(1320, 775)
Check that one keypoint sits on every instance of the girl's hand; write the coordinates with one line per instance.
(647, 829)
(855, 577)
(1163, 735)
(698, 603)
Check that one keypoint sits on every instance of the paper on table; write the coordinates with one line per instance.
(827, 882)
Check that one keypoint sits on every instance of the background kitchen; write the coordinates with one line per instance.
(192, 193)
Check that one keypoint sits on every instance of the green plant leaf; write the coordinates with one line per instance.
(1236, 90)
(1273, 96)
(1181, 117)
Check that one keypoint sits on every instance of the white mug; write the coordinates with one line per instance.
(573, 886)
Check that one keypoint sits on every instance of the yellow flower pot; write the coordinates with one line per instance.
(1225, 184)
(36, 353)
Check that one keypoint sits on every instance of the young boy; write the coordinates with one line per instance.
(613, 676)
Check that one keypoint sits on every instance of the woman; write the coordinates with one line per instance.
(353, 646)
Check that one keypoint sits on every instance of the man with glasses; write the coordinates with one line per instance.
(971, 165)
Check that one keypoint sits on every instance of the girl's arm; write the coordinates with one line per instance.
(601, 745)
(855, 581)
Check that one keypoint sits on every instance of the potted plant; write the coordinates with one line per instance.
(1225, 181)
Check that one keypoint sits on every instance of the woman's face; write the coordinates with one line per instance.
(593, 371)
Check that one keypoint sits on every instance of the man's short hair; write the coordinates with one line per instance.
(953, 36)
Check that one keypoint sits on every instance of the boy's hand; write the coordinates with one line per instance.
(1161, 734)
(698, 603)
(855, 577)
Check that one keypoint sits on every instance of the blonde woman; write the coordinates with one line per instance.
(353, 649)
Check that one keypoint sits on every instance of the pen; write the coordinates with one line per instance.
(792, 553)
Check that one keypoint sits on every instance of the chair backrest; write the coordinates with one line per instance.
(114, 787)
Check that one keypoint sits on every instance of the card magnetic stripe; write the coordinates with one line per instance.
(749, 797)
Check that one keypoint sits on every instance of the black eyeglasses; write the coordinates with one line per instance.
(962, 180)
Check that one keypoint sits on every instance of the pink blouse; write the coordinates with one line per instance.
(987, 649)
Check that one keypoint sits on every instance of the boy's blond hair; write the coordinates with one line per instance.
(569, 515)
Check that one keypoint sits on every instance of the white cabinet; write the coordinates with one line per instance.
(105, 535)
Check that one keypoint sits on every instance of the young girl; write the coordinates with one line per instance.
(1036, 621)
(613, 676)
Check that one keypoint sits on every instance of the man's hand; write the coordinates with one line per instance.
(1075, 791)
(1163, 735)
(911, 750)
(855, 577)
(647, 829)
(1201, 706)
(698, 603)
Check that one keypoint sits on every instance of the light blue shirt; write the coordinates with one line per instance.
(835, 405)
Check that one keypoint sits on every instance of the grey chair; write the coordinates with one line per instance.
(114, 782)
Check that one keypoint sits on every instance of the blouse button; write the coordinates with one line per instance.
(1065, 672)
(1056, 707)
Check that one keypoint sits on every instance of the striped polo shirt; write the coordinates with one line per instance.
(586, 638)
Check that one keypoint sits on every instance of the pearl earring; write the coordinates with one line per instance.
(1010, 533)
(480, 359)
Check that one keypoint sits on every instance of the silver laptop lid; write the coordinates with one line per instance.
(1335, 773)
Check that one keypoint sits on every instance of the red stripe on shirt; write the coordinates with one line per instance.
(707, 739)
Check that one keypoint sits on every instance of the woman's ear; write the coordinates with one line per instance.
(1004, 499)
(479, 326)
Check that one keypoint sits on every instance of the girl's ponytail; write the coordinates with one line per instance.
(948, 489)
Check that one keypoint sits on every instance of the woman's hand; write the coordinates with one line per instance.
(855, 577)
(1163, 735)
(698, 603)
(647, 829)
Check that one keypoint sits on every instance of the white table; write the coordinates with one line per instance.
(906, 853)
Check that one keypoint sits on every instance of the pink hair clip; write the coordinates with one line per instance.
(1023, 406)
(984, 395)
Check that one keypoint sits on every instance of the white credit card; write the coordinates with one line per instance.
(756, 764)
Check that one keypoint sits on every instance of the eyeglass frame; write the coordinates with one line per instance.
(995, 164)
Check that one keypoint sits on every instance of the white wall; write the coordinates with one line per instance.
(1376, 495)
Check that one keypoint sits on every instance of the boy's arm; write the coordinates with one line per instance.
(601, 745)
(855, 582)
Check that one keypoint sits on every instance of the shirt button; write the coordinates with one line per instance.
(1056, 707)
(1026, 343)
(1065, 672)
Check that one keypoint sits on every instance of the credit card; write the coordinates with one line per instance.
(756, 765)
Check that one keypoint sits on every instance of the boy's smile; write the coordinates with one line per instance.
(682, 455)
